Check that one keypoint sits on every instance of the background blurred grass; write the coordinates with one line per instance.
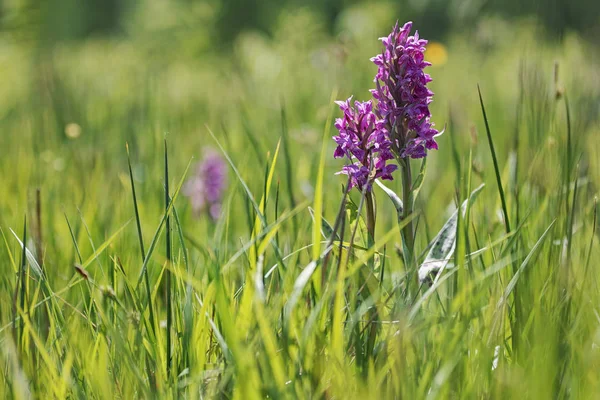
(79, 81)
(169, 74)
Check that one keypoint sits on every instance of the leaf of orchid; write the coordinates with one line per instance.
(394, 197)
(355, 218)
(418, 183)
(442, 246)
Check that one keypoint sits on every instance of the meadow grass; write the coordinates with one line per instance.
(120, 292)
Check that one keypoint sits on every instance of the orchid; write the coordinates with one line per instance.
(206, 187)
(397, 125)
(364, 141)
(402, 95)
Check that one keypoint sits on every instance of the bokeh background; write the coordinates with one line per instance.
(82, 78)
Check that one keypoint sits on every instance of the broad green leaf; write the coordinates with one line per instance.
(393, 197)
(30, 257)
(442, 246)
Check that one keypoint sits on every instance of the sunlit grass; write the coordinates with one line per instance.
(269, 301)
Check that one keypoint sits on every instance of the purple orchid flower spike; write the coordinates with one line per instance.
(363, 139)
(205, 189)
(402, 95)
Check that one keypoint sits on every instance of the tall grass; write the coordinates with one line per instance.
(269, 301)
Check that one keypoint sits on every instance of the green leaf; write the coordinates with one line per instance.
(326, 228)
(418, 183)
(394, 197)
(299, 285)
(513, 282)
(318, 199)
(35, 267)
(355, 218)
(495, 160)
(442, 246)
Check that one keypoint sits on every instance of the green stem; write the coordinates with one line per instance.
(373, 314)
(408, 234)
(370, 217)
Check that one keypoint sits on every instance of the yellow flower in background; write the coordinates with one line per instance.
(436, 54)
(73, 130)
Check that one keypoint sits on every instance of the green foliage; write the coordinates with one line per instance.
(287, 295)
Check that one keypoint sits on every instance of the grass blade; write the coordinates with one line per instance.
(513, 282)
(160, 227)
(169, 284)
(318, 198)
(140, 239)
(495, 159)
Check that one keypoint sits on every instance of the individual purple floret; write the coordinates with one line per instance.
(363, 139)
(402, 95)
(206, 187)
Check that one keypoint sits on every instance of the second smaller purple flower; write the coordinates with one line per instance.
(205, 189)
(364, 140)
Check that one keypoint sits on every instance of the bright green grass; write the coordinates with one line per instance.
(516, 314)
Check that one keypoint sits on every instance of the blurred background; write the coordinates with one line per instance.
(82, 77)
(202, 56)
(59, 20)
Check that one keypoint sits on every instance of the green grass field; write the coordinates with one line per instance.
(123, 296)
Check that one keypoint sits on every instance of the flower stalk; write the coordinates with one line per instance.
(408, 232)
(373, 313)
(395, 126)
(370, 216)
